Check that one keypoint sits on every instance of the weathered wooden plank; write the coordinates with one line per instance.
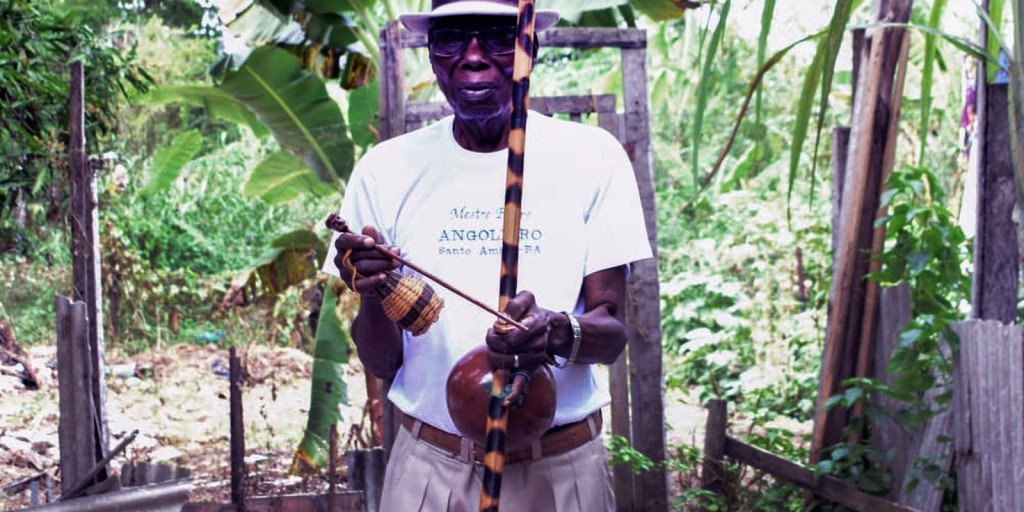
(996, 256)
(712, 476)
(618, 385)
(392, 83)
(969, 474)
(237, 426)
(643, 313)
(989, 389)
(895, 302)
(392, 124)
(909, 445)
(417, 113)
(827, 487)
(612, 122)
(859, 47)
(349, 501)
(366, 474)
(85, 252)
(840, 154)
(75, 431)
(1015, 363)
(877, 234)
(564, 38)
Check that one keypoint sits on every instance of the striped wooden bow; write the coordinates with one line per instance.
(497, 412)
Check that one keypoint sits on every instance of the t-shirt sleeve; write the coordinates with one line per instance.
(616, 233)
(359, 207)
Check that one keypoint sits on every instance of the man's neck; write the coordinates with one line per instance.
(482, 136)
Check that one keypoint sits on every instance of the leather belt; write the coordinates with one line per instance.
(555, 441)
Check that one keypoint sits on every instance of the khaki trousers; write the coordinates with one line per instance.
(421, 477)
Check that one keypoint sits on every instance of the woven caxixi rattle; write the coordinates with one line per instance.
(408, 300)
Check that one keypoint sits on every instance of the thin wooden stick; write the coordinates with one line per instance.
(85, 480)
(336, 223)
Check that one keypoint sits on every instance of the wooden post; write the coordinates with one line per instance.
(366, 474)
(85, 252)
(622, 475)
(392, 84)
(875, 237)
(643, 313)
(712, 476)
(237, 431)
(392, 124)
(840, 154)
(996, 256)
(76, 430)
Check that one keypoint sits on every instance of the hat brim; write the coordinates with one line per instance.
(420, 22)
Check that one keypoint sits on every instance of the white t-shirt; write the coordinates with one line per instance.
(442, 205)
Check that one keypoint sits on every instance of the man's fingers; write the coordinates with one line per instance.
(521, 304)
(374, 236)
(369, 284)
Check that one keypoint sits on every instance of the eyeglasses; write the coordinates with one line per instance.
(451, 42)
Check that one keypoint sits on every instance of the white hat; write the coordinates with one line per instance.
(420, 22)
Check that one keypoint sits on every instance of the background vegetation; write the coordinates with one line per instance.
(211, 198)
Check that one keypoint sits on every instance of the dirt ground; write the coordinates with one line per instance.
(178, 400)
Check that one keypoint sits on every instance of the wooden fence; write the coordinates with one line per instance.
(718, 445)
(988, 376)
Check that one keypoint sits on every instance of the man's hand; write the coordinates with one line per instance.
(369, 263)
(518, 349)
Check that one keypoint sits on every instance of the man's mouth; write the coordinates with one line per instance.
(476, 91)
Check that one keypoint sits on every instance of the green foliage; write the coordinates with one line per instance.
(928, 72)
(177, 251)
(282, 177)
(731, 309)
(927, 249)
(621, 452)
(38, 40)
(703, 89)
(169, 161)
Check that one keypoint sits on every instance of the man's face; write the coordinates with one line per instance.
(473, 63)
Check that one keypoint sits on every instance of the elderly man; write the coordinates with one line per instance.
(437, 195)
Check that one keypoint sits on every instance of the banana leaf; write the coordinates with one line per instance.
(363, 107)
(588, 12)
(705, 86)
(169, 161)
(282, 177)
(218, 104)
(663, 10)
(290, 259)
(573, 10)
(931, 53)
(294, 104)
(327, 387)
(820, 72)
(292, 23)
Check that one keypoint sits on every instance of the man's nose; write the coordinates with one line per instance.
(474, 54)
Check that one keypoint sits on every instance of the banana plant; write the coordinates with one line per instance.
(328, 389)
